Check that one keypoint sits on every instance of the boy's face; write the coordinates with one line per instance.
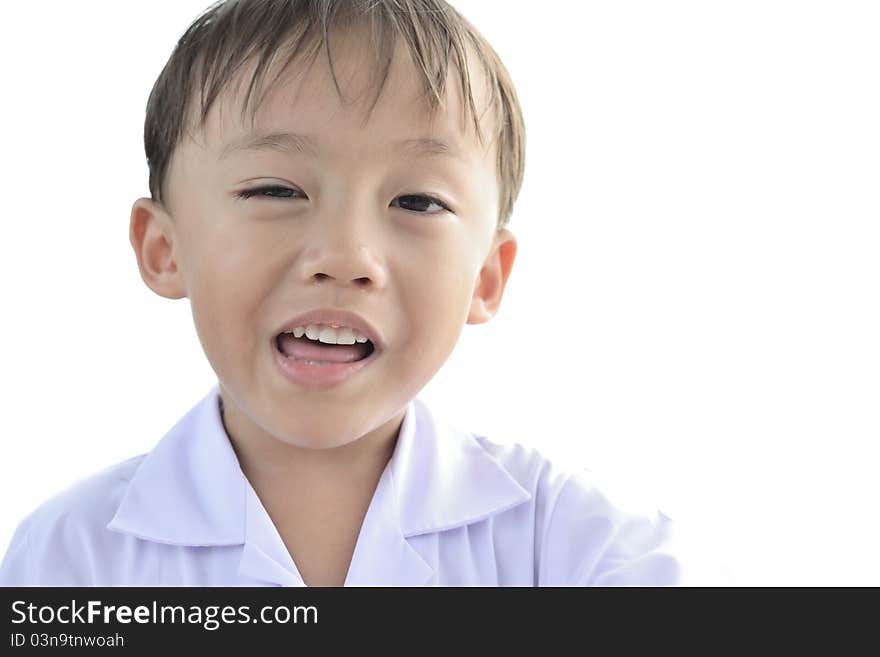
(351, 233)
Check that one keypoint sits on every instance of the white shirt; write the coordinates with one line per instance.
(451, 509)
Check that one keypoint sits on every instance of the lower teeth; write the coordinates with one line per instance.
(310, 362)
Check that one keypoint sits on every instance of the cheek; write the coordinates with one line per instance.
(226, 291)
(438, 299)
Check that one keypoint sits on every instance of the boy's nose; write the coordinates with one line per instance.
(343, 262)
(355, 267)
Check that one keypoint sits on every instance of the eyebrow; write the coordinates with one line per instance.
(288, 142)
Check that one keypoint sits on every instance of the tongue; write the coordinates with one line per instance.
(305, 349)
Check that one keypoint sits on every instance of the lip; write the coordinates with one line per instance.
(330, 316)
(325, 376)
(319, 376)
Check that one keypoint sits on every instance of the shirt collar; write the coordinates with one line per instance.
(444, 478)
(190, 490)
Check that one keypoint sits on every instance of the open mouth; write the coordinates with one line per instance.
(314, 352)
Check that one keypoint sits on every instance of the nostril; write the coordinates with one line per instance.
(362, 281)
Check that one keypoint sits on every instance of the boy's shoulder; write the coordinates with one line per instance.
(69, 528)
(87, 504)
(589, 529)
(552, 477)
(551, 483)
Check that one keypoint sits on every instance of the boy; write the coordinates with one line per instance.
(330, 186)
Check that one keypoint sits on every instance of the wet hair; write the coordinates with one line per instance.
(232, 33)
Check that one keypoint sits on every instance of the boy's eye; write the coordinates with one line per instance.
(273, 191)
(419, 203)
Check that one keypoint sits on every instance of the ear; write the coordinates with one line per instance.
(151, 234)
(493, 278)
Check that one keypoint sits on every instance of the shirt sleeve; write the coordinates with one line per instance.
(15, 569)
(590, 541)
(50, 547)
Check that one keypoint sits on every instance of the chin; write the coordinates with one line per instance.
(322, 437)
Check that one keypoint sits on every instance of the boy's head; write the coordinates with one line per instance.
(329, 154)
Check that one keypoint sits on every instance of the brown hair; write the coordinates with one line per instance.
(232, 32)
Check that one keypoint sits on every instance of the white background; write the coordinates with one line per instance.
(693, 313)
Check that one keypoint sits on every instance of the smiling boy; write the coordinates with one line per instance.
(330, 187)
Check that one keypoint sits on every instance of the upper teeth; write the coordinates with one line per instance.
(328, 334)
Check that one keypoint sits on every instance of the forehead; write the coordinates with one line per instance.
(303, 108)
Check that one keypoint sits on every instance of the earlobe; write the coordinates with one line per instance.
(151, 235)
(493, 278)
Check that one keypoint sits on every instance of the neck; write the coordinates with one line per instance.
(266, 458)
